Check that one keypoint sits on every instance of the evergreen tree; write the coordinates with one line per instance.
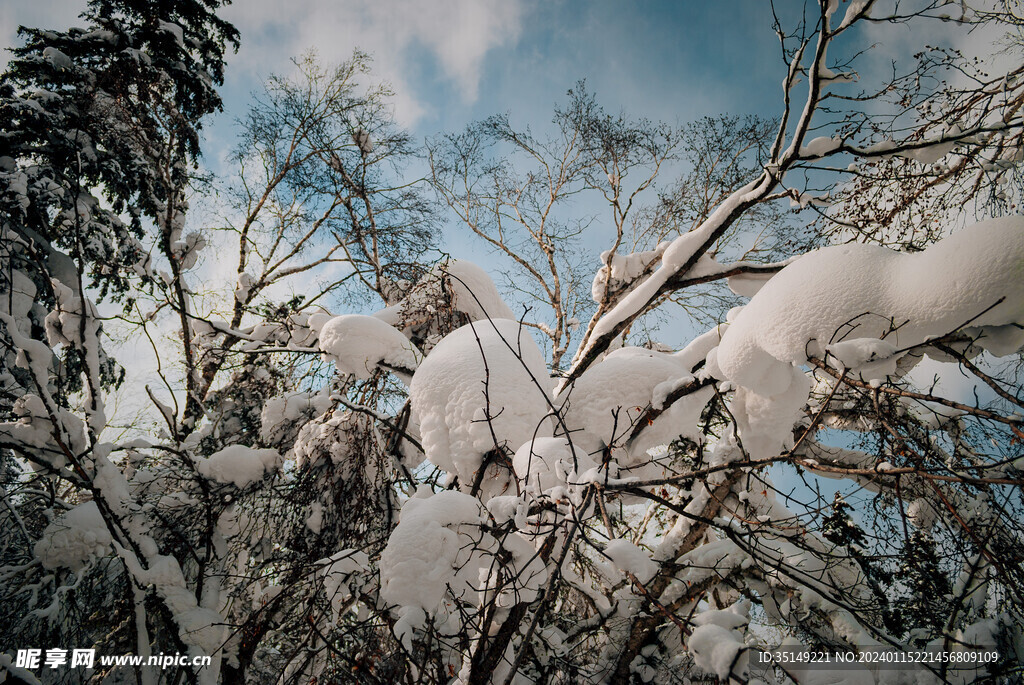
(925, 608)
(100, 136)
(840, 528)
(99, 139)
(101, 131)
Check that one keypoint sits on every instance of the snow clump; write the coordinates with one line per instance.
(546, 463)
(437, 556)
(861, 304)
(283, 416)
(717, 642)
(974, 276)
(74, 539)
(357, 344)
(602, 406)
(629, 558)
(239, 465)
(484, 386)
(620, 269)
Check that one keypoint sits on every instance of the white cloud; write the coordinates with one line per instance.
(458, 34)
(900, 41)
(56, 14)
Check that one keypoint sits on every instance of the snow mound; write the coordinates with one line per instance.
(437, 563)
(716, 649)
(629, 558)
(717, 642)
(74, 539)
(425, 553)
(483, 386)
(473, 291)
(358, 343)
(602, 406)
(438, 554)
(283, 416)
(765, 423)
(239, 465)
(545, 463)
(974, 276)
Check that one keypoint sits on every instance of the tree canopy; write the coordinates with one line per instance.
(367, 461)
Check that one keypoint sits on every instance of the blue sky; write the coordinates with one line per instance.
(665, 60)
(452, 61)
(455, 61)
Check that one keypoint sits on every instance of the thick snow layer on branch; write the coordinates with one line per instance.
(175, 30)
(629, 558)
(710, 560)
(620, 269)
(341, 573)
(821, 146)
(717, 642)
(602, 406)
(198, 626)
(282, 416)
(17, 299)
(305, 327)
(357, 343)
(187, 251)
(1001, 341)
(30, 354)
(975, 276)
(765, 424)
(852, 12)
(64, 324)
(748, 284)
(483, 386)
(35, 432)
(438, 555)
(239, 465)
(546, 463)
(428, 552)
(676, 256)
(473, 291)
(57, 58)
(74, 539)
(717, 650)
(857, 352)
(696, 351)
(243, 286)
